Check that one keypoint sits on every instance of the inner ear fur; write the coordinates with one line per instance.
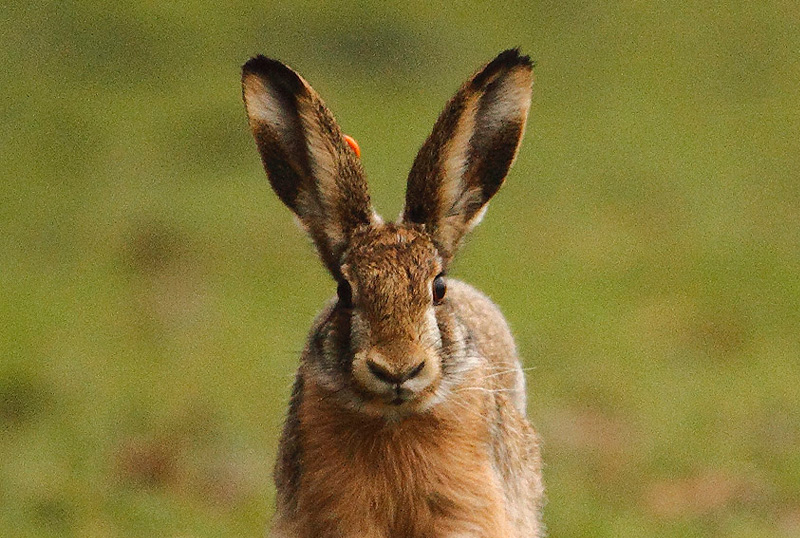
(467, 156)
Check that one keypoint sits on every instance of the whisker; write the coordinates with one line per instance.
(483, 389)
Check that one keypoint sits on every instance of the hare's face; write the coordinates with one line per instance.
(393, 293)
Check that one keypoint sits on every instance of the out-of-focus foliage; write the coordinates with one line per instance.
(154, 294)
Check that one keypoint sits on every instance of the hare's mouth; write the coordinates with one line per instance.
(411, 402)
(393, 407)
(402, 398)
(398, 399)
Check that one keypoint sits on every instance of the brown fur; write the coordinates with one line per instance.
(407, 418)
(417, 477)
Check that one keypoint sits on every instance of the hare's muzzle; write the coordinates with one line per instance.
(393, 380)
(396, 379)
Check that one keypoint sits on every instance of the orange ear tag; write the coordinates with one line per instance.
(353, 145)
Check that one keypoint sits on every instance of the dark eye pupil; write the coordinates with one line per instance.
(345, 294)
(439, 289)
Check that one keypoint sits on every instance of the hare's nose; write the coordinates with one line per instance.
(393, 376)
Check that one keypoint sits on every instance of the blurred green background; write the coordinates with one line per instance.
(154, 294)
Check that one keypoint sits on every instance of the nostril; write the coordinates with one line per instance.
(381, 373)
(416, 371)
(393, 378)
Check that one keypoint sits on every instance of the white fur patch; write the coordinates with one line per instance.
(474, 221)
(511, 102)
(456, 153)
(263, 106)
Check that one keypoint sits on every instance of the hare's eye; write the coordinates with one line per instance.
(345, 294)
(439, 289)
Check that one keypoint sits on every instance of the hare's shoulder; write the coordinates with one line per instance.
(486, 324)
(489, 331)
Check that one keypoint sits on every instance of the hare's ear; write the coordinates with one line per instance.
(466, 158)
(310, 166)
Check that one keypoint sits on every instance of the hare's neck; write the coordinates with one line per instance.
(332, 428)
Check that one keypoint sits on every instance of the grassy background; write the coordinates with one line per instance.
(155, 294)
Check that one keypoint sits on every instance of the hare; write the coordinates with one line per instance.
(407, 417)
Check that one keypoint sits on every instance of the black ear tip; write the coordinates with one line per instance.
(260, 64)
(513, 57)
(272, 70)
(506, 61)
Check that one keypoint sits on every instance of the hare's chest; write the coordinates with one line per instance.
(403, 480)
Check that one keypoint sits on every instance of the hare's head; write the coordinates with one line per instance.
(391, 343)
